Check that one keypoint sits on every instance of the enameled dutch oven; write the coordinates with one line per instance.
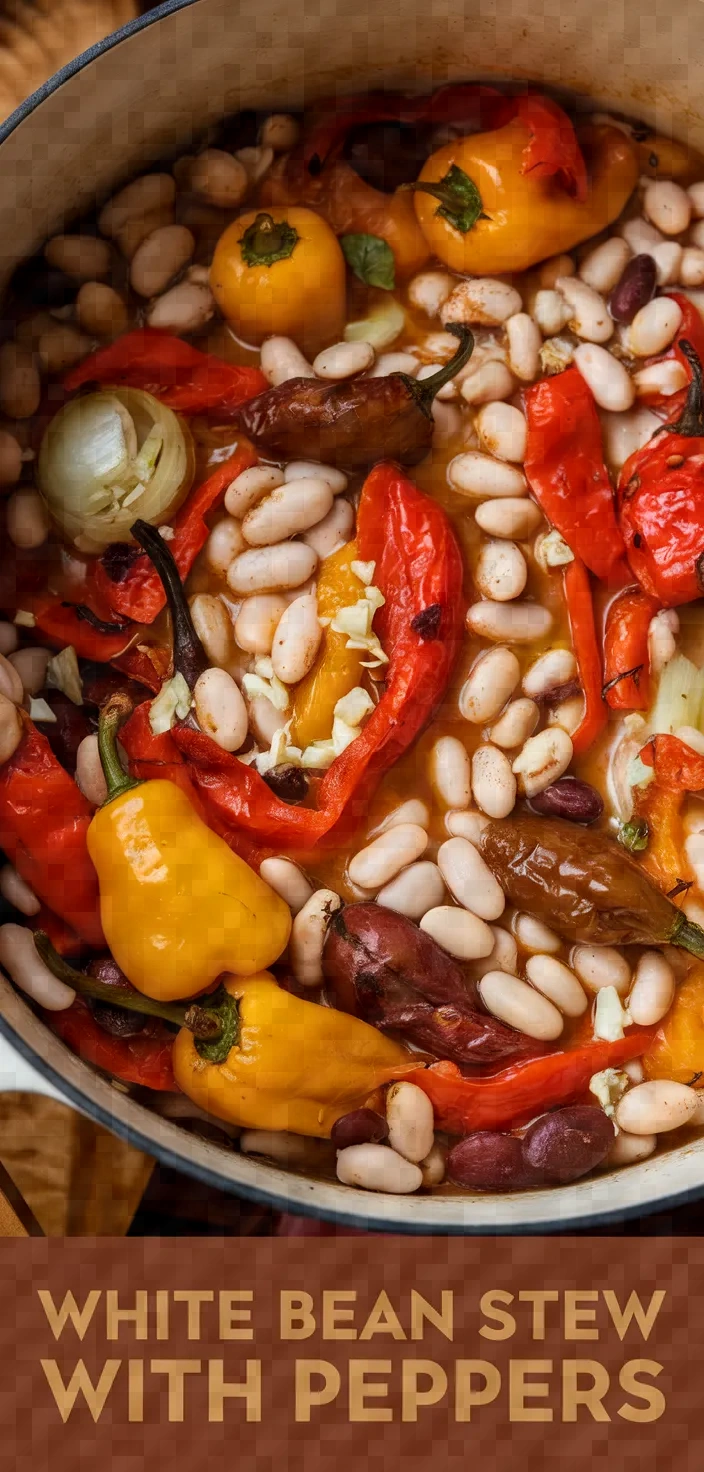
(151, 87)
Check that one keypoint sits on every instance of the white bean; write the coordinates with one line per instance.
(668, 259)
(414, 891)
(633, 1067)
(290, 508)
(373, 866)
(280, 131)
(590, 318)
(89, 771)
(450, 772)
(610, 383)
(542, 760)
(288, 881)
(429, 291)
(666, 378)
(388, 363)
(489, 684)
(517, 723)
(667, 205)
(30, 665)
(629, 1149)
(654, 327)
(479, 476)
(10, 729)
(223, 545)
(19, 957)
(653, 989)
(297, 640)
(466, 824)
(655, 1107)
(10, 682)
(377, 1168)
(524, 344)
(552, 270)
(219, 179)
(504, 956)
(602, 269)
(641, 236)
(264, 719)
(220, 709)
(512, 518)
(482, 300)
(503, 432)
(448, 390)
(10, 459)
(413, 811)
(521, 623)
(493, 782)
(625, 433)
(696, 195)
(696, 235)
(533, 935)
(569, 714)
(8, 638)
(281, 359)
(691, 270)
(470, 880)
(515, 1002)
(501, 571)
(249, 486)
(20, 385)
(556, 982)
(433, 1167)
(61, 346)
(333, 531)
(185, 308)
(213, 626)
(551, 312)
(82, 257)
(287, 1149)
(262, 569)
(159, 258)
(257, 622)
(142, 197)
(488, 383)
(308, 936)
(344, 360)
(555, 667)
(17, 892)
(459, 932)
(312, 469)
(100, 310)
(600, 966)
(409, 1114)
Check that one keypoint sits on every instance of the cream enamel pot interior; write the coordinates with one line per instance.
(152, 87)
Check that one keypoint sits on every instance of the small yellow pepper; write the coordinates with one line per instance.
(295, 1065)
(281, 272)
(677, 1051)
(177, 906)
(337, 669)
(529, 218)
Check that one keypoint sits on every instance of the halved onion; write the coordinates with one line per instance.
(109, 458)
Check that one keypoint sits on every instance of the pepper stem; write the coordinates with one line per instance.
(691, 420)
(112, 716)
(190, 658)
(268, 240)
(425, 391)
(688, 935)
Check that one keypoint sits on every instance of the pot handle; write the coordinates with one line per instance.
(17, 1075)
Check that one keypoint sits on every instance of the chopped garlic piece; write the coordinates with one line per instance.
(25, 620)
(173, 702)
(280, 753)
(554, 550)
(62, 673)
(610, 1016)
(320, 755)
(40, 711)
(364, 571)
(355, 620)
(272, 690)
(166, 532)
(608, 1087)
(353, 707)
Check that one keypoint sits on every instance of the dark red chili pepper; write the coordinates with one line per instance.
(59, 621)
(44, 819)
(186, 380)
(626, 658)
(566, 472)
(580, 609)
(418, 565)
(661, 501)
(143, 1059)
(352, 424)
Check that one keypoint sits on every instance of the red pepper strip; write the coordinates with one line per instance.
(44, 819)
(139, 595)
(419, 569)
(63, 937)
(580, 608)
(169, 368)
(626, 650)
(553, 151)
(566, 472)
(692, 328)
(143, 1059)
(664, 858)
(676, 765)
(504, 1100)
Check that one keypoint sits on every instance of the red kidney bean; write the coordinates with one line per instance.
(359, 1127)
(569, 798)
(489, 1161)
(564, 1145)
(634, 290)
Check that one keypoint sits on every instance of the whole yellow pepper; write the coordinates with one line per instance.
(294, 1066)
(529, 218)
(337, 669)
(177, 906)
(281, 272)
(677, 1051)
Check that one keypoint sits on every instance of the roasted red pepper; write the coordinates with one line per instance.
(419, 571)
(626, 658)
(676, 765)
(566, 472)
(186, 380)
(143, 1059)
(44, 819)
(661, 501)
(580, 609)
(522, 1090)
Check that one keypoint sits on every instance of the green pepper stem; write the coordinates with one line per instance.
(426, 390)
(691, 420)
(112, 716)
(199, 1020)
(688, 935)
(268, 240)
(190, 659)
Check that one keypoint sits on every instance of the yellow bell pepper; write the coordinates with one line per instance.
(529, 218)
(337, 669)
(677, 1051)
(281, 272)
(177, 906)
(295, 1065)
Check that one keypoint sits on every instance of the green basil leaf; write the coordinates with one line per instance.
(371, 259)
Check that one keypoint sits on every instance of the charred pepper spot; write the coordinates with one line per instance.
(427, 623)
(637, 541)
(118, 559)
(699, 571)
(101, 625)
